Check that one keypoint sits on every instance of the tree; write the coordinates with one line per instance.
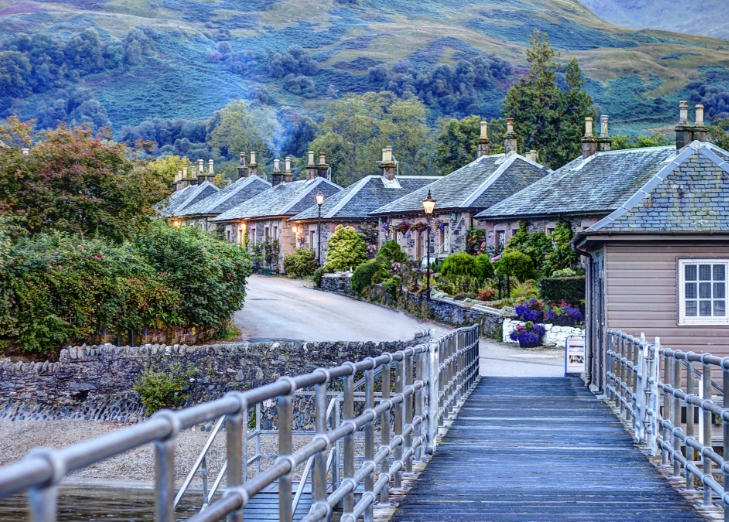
(457, 142)
(238, 127)
(347, 249)
(546, 118)
(15, 75)
(623, 141)
(718, 133)
(75, 180)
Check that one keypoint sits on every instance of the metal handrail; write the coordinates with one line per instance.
(420, 381)
(634, 383)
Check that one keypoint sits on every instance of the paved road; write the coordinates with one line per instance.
(502, 360)
(278, 308)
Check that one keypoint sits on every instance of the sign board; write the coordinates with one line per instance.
(574, 356)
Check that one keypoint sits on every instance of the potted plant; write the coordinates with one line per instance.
(402, 227)
(563, 314)
(532, 310)
(529, 335)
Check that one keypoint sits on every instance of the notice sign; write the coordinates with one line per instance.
(574, 356)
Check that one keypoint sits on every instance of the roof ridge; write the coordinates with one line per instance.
(483, 187)
(230, 194)
(194, 194)
(346, 199)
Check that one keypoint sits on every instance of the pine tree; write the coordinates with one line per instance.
(347, 249)
(547, 118)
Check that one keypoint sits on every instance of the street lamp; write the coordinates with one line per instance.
(429, 207)
(319, 201)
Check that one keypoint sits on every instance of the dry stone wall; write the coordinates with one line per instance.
(96, 382)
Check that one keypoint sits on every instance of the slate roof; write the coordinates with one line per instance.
(167, 206)
(285, 199)
(199, 193)
(361, 198)
(234, 194)
(598, 184)
(478, 185)
(688, 194)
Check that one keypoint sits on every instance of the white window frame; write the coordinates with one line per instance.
(683, 319)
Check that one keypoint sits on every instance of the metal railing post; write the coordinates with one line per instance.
(43, 502)
(285, 449)
(369, 429)
(399, 410)
(348, 412)
(234, 447)
(419, 398)
(725, 437)
(164, 470)
(385, 429)
(320, 459)
(653, 404)
(639, 391)
(408, 406)
(706, 385)
(667, 362)
(690, 452)
(676, 414)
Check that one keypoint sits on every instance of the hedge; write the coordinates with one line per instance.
(568, 289)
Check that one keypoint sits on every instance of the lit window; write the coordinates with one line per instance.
(702, 291)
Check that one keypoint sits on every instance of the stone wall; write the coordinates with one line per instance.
(555, 336)
(96, 382)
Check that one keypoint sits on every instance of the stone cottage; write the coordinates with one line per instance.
(352, 206)
(188, 191)
(459, 197)
(264, 219)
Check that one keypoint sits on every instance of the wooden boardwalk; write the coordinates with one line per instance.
(538, 449)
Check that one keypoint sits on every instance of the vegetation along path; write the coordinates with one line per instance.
(539, 449)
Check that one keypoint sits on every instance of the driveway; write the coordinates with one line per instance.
(278, 308)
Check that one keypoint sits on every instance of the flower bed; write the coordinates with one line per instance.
(528, 335)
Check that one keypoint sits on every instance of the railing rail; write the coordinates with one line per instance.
(429, 380)
(666, 423)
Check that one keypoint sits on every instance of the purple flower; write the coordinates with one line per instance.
(530, 311)
(531, 333)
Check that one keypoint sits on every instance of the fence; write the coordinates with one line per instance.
(688, 396)
(429, 381)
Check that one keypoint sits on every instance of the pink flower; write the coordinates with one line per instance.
(59, 267)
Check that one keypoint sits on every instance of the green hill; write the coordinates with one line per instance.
(184, 59)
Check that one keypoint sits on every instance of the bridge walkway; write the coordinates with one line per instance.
(540, 449)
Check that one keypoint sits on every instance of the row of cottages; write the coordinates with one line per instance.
(188, 191)
(264, 218)
(652, 226)
(459, 197)
(353, 206)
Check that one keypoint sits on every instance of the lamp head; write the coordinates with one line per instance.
(319, 199)
(429, 204)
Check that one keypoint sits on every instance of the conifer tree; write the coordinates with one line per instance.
(347, 249)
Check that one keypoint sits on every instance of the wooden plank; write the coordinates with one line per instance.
(539, 449)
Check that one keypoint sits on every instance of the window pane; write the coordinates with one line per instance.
(690, 308)
(719, 290)
(705, 290)
(704, 272)
(690, 272)
(719, 272)
(719, 308)
(691, 291)
(705, 308)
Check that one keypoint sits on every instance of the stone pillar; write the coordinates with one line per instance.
(603, 143)
(511, 140)
(484, 143)
(589, 141)
(311, 167)
(253, 166)
(387, 165)
(700, 130)
(322, 168)
(288, 176)
(276, 177)
(684, 132)
(242, 170)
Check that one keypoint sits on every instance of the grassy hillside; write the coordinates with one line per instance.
(198, 55)
(705, 17)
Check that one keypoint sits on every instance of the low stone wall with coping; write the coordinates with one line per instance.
(555, 336)
(96, 382)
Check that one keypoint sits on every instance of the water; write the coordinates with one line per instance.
(104, 503)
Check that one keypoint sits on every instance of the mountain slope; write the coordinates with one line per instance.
(197, 56)
(704, 17)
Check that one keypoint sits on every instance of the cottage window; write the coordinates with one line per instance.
(702, 291)
(500, 240)
(227, 233)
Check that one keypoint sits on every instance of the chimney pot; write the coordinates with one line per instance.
(253, 166)
(683, 113)
(387, 155)
(484, 130)
(588, 127)
(604, 144)
(311, 157)
(533, 155)
(604, 126)
(242, 171)
(509, 124)
(276, 167)
(322, 158)
(484, 147)
(288, 175)
(684, 132)
(699, 115)
(253, 158)
(511, 140)
(311, 170)
(589, 142)
(200, 165)
(322, 168)
(276, 176)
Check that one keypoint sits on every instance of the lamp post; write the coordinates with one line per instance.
(319, 201)
(429, 207)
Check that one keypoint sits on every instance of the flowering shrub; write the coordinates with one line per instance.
(564, 312)
(532, 310)
(402, 227)
(530, 333)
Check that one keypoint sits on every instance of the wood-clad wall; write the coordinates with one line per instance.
(641, 293)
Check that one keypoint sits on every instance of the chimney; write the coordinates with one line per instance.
(25, 151)
(181, 180)
(387, 165)
(192, 180)
(276, 177)
(322, 167)
(484, 143)
(700, 129)
(201, 171)
(510, 138)
(310, 167)
(532, 155)
(253, 166)
(211, 171)
(176, 183)
(288, 176)
(242, 171)
(603, 143)
(589, 142)
(684, 132)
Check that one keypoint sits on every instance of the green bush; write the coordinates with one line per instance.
(159, 390)
(390, 253)
(562, 256)
(457, 285)
(392, 286)
(362, 277)
(517, 264)
(460, 264)
(485, 268)
(537, 246)
(568, 289)
(316, 277)
(300, 263)
(347, 249)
